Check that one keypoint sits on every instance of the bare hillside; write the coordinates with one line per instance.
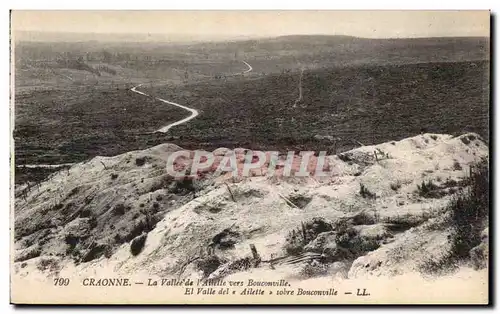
(388, 209)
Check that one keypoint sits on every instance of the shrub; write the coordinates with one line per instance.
(469, 210)
(95, 252)
(308, 231)
(114, 176)
(48, 263)
(456, 165)
(108, 252)
(118, 238)
(344, 235)
(440, 265)
(92, 222)
(429, 190)
(313, 269)
(362, 218)
(395, 186)
(468, 217)
(380, 154)
(137, 244)
(183, 186)
(209, 264)
(119, 209)
(365, 193)
(71, 240)
(294, 243)
(140, 161)
(359, 246)
(449, 183)
(344, 157)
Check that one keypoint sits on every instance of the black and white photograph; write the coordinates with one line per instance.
(250, 157)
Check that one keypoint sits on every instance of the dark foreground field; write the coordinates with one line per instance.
(356, 90)
(368, 104)
(62, 126)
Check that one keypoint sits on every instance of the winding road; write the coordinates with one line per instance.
(249, 67)
(164, 129)
(193, 112)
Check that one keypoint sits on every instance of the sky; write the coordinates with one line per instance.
(372, 24)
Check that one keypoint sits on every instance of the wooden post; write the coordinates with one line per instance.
(255, 254)
(304, 234)
(230, 192)
(210, 250)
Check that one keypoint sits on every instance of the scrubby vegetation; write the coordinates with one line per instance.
(381, 155)
(336, 241)
(429, 190)
(308, 231)
(469, 210)
(456, 165)
(313, 269)
(119, 209)
(395, 186)
(365, 193)
(209, 264)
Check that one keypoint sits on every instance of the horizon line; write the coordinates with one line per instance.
(242, 36)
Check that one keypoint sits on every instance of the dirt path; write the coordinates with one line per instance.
(193, 112)
(249, 67)
(46, 166)
(164, 129)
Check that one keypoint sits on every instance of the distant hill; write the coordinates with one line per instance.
(34, 36)
(477, 46)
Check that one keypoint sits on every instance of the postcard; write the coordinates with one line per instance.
(250, 157)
